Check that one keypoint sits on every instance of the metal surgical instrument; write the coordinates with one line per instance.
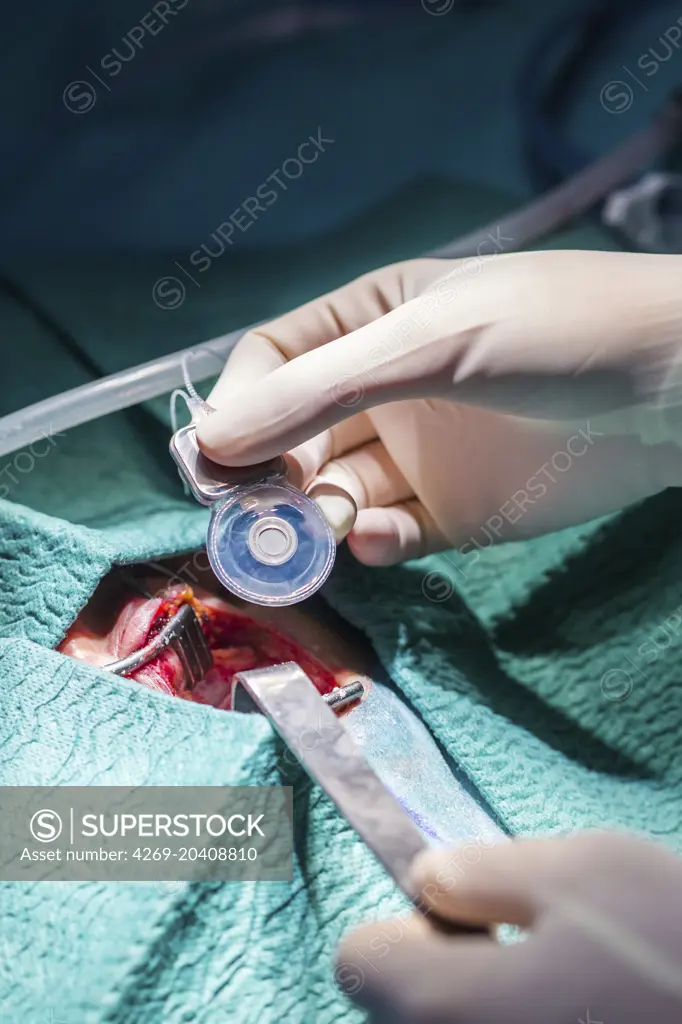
(308, 726)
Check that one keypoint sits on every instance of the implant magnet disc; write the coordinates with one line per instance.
(272, 540)
(269, 544)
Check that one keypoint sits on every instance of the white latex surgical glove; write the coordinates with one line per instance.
(602, 916)
(465, 402)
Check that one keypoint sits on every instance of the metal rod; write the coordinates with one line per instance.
(345, 695)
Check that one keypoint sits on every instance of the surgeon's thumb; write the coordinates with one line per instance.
(390, 359)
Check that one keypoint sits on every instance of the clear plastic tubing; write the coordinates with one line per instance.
(519, 228)
(118, 391)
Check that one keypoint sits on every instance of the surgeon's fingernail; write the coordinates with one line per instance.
(336, 505)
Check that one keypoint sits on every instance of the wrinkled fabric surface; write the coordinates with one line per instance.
(549, 671)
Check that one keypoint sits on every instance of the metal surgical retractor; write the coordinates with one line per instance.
(267, 542)
(346, 770)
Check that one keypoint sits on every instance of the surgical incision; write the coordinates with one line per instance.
(120, 621)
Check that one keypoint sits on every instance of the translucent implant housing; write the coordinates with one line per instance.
(269, 543)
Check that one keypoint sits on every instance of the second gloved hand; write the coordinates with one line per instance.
(469, 401)
(603, 945)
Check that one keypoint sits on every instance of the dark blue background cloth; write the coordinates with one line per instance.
(156, 156)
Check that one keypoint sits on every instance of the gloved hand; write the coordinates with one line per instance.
(604, 942)
(469, 401)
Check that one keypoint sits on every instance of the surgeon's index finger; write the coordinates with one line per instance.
(312, 325)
